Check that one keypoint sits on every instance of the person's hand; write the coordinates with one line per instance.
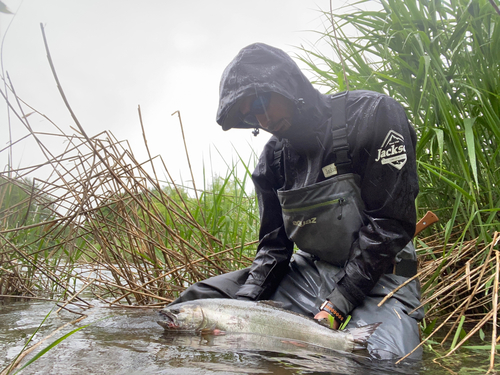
(324, 315)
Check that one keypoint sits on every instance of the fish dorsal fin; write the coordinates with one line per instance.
(271, 303)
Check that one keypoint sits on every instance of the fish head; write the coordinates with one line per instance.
(184, 317)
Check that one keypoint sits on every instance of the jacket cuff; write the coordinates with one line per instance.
(249, 291)
(340, 302)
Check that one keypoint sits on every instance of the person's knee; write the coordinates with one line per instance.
(396, 339)
(394, 353)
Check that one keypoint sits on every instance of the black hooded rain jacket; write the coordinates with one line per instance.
(382, 150)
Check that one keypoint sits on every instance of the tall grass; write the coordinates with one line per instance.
(103, 223)
(143, 245)
(142, 240)
(441, 60)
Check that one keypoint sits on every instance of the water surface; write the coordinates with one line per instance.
(129, 341)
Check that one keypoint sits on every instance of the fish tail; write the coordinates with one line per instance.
(362, 334)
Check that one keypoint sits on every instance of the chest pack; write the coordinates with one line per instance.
(324, 218)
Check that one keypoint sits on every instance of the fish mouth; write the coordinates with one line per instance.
(169, 321)
(181, 320)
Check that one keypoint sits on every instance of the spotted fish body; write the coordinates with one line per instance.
(261, 318)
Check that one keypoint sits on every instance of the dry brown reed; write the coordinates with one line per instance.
(142, 246)
(99, 220)
(101, 225)
(113, 228)
(460, 288)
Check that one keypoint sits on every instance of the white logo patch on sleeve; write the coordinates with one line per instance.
(392, 151)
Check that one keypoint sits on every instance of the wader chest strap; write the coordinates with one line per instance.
(340, 146)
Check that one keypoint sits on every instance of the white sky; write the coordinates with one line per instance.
(164, 55)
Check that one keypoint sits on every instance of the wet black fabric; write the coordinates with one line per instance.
(319, 215)
(382, 150)
(309, 281)
(381, 145)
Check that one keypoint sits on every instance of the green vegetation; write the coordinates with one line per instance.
(141, 244)
(441, 60)
(22, 204)
(104, 223)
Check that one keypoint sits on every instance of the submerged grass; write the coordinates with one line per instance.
(28, 349)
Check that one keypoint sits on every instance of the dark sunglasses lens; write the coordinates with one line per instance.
(260, 104)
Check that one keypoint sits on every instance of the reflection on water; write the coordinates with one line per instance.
(125, 340)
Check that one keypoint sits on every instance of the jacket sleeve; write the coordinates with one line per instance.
(275, 249)
(383, 154)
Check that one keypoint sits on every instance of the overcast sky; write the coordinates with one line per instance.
(164, 55)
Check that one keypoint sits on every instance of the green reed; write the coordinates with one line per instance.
(440, 59)
(145, 240)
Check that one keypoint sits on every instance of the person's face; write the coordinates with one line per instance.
(276, 117)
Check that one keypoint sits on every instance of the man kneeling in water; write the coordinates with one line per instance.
(338, 179)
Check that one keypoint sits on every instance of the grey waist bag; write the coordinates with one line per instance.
(324, 219)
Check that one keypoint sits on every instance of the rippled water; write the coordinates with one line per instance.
(129, 341)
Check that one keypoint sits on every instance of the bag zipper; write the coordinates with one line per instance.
(340, 201)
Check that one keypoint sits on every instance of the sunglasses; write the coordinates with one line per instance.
(258, 107)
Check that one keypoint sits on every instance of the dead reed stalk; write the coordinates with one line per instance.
(93, 219)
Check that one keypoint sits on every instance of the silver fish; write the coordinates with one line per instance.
(262, 318)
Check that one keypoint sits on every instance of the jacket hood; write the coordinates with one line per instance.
(260, 68)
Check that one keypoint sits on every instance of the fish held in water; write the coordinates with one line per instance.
(262, 318)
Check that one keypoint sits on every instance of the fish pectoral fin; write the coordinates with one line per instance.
(271, 303)
(212, 331)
